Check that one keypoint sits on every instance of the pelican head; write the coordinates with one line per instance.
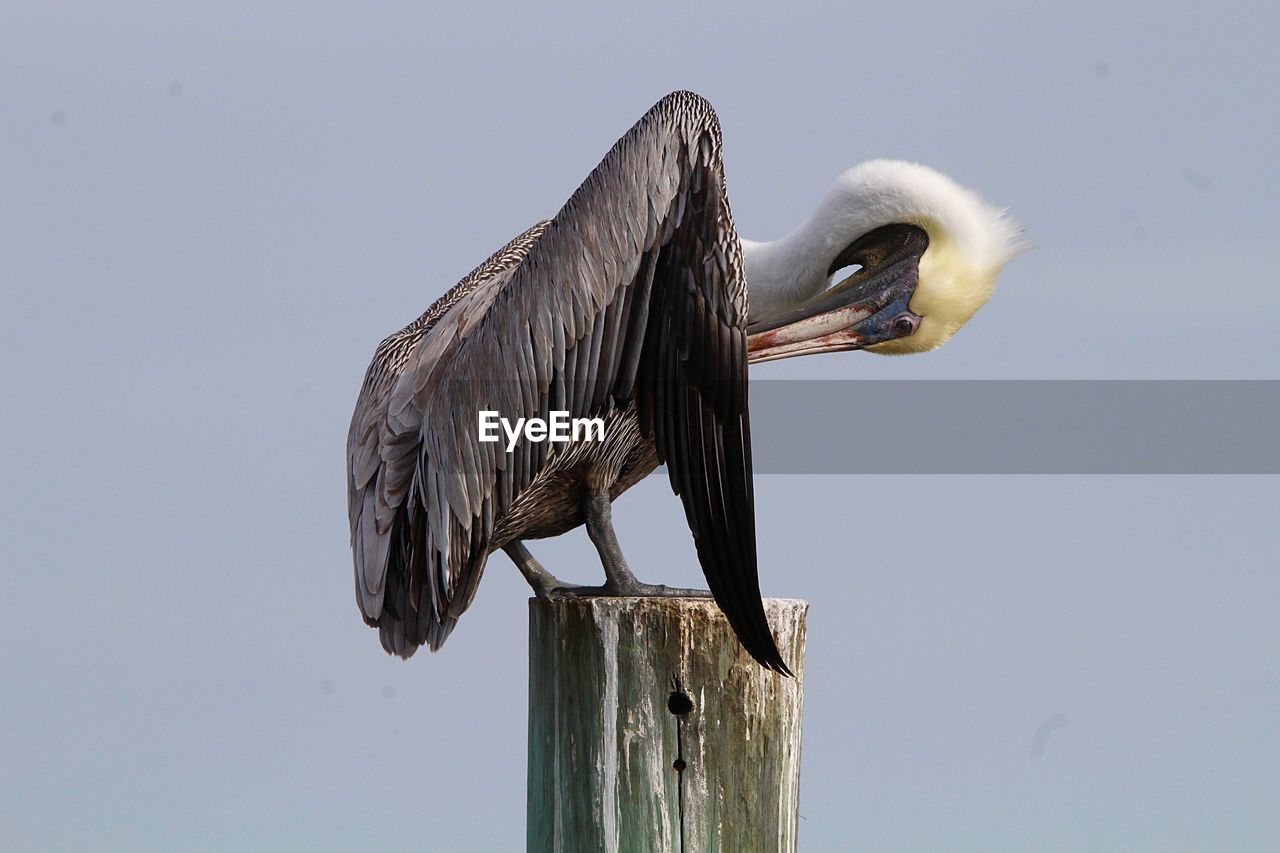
(916, 253)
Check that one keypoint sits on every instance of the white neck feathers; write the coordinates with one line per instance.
(787, 272)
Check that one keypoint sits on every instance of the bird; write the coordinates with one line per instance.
(637, 304)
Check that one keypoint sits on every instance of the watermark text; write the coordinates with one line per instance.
(558, 427)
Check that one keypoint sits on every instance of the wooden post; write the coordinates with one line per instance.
(604, 745)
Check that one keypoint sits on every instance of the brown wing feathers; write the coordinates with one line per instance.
(635, 289)
(693, 398)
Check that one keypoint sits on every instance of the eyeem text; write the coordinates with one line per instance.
(559, 427)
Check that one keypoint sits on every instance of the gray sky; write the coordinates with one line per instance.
(209, 217)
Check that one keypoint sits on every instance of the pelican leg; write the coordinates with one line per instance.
(542, 581)
(619, 581)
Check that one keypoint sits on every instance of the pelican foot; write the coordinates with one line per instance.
(543, 582)
(637, 590)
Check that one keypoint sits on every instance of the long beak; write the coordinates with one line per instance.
(869, 307)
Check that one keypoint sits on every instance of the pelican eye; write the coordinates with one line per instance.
(905, 324)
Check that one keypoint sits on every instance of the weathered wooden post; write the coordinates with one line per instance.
(613, 767)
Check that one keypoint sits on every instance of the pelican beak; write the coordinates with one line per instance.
(869, 307)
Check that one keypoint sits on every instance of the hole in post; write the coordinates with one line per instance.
(679, 702)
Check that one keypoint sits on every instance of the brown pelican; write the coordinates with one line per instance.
(631, 305)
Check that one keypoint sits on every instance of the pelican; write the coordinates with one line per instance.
(630, 305)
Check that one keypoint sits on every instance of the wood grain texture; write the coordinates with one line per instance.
(602, 741)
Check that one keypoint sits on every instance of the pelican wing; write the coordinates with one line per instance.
(382, 463)
(634, 292)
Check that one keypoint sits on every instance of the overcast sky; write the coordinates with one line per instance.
(210, 216)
